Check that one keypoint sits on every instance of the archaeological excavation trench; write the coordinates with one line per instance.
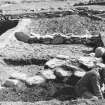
(31, 56)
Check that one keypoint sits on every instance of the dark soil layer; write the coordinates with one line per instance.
(6, 25)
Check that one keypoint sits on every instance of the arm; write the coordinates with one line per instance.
(96, 87)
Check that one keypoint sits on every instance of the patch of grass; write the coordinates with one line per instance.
(70, 24)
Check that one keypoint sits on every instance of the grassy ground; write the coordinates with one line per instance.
(70, 24)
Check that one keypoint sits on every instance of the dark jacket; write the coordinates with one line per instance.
(91, 82)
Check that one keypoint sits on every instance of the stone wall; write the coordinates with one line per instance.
(58, 38)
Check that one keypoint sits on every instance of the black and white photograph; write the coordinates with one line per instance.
(52, 52)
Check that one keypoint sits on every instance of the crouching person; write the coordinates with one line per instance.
(89, 86)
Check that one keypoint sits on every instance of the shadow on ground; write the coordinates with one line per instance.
(22, 62)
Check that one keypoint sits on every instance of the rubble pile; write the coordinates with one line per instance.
(59, 67)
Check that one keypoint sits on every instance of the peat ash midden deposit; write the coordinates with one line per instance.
(43, 55)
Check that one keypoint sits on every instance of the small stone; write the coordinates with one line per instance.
(76, 39)
(48, 74)
(47, 40)
(35, 80)
(55, 63)
(60, 72)
(58, 39)
(99, 52)
(92, 54)
(79, 73)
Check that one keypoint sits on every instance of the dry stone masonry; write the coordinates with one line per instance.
(57, 38)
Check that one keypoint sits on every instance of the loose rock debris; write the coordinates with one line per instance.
(64, 70)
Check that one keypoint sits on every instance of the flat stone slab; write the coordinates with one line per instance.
(89, 62)
(55, 63)
(60, 72)
(35, 80)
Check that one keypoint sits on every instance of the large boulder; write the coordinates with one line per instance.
(21, 36)
(99, 52)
